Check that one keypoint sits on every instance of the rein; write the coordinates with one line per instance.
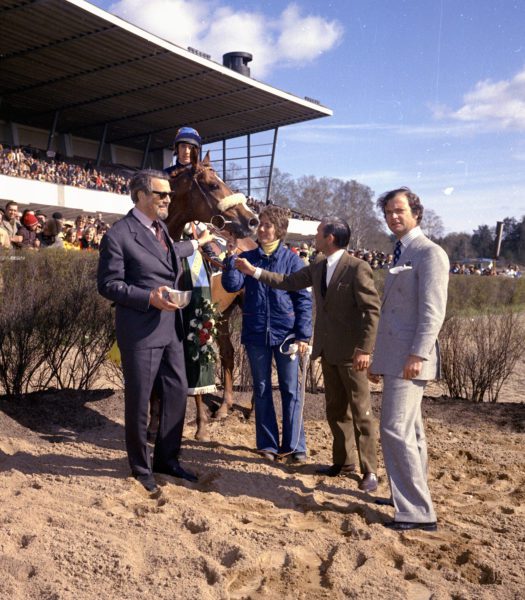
(212, 261)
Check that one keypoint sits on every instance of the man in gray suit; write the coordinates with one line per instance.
(407, 356)
(138, 264)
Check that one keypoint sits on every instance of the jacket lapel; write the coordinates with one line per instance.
(406, 257)
(146, 239)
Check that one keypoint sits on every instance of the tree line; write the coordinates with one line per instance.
(354, 202)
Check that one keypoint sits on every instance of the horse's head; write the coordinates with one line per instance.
(199, 194)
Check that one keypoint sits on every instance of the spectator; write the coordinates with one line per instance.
(5, 240)
(11, 224)
(70, 241)
(80, 225)
(88, 240)
(49, 237)
(28, 231)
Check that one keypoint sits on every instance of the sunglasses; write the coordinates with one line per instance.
(162, 195)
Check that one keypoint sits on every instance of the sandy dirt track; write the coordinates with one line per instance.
(75, 526)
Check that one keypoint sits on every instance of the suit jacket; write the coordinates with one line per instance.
(413, 310)
(131, 264)
(346, 318)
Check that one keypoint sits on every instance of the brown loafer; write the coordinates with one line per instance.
(335, 470)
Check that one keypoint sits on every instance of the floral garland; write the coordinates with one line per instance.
(203, 331)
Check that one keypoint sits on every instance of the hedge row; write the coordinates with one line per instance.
(476, 293)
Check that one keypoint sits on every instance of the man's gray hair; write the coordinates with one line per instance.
(141, 182)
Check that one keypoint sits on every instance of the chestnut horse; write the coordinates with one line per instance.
(199, 194)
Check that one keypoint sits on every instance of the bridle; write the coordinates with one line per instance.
(222, 206)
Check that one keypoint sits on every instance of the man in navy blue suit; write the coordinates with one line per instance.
(138, 264)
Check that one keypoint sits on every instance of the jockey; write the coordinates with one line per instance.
(186, 147)
(197, 272)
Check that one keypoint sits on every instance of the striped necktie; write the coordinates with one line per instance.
(159, 234)
(397, 251)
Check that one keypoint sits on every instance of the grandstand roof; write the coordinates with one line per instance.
(96, 69)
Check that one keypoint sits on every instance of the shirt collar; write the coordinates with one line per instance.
(409, 237)
(334, 258)
(146, 221)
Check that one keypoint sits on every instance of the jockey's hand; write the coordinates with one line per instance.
(242, 265)
(205, 237)
(158, 300)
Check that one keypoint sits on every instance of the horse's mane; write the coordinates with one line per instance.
(195, 171)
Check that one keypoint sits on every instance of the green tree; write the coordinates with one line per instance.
(457, 245)
(483, 241)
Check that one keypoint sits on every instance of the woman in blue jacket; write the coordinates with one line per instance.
(269, 317)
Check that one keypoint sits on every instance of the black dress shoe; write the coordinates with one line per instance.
(176, 471)
(407, 526)
(384, 501)
(335, 470)
(148, 483)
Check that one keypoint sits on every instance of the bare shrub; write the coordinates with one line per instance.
(55, 330)
(22, 313)
(480, 352)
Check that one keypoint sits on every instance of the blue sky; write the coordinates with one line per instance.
(425, 93)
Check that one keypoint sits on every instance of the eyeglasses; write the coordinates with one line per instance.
(162, 195)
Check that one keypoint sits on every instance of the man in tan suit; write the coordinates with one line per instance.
(347, 312)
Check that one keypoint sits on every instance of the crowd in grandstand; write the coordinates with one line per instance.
(27, 163)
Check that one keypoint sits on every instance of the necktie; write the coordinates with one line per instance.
(324, 287)
(159, 234)
(397, 251)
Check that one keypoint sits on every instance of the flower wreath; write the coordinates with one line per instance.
(203, 331)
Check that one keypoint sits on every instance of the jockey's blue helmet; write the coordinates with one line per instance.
(187, 135)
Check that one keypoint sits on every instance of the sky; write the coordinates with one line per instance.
(425, 93)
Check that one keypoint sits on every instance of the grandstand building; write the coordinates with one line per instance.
(83, 85)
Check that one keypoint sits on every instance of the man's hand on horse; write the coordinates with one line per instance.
(205, 237)
(242, 265)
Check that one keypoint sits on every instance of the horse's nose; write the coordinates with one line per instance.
(253, 223)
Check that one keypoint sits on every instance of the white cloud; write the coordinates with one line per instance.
(499, 104)
(213, 27)
(305, 38)
(436, 130)
(448, 191)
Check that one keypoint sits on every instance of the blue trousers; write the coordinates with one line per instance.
(266, 428)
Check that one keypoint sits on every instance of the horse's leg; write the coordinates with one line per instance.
(202, 433)
(154, 416)
(227, 354)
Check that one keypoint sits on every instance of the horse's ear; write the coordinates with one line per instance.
(206, 160)
(194, 156)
